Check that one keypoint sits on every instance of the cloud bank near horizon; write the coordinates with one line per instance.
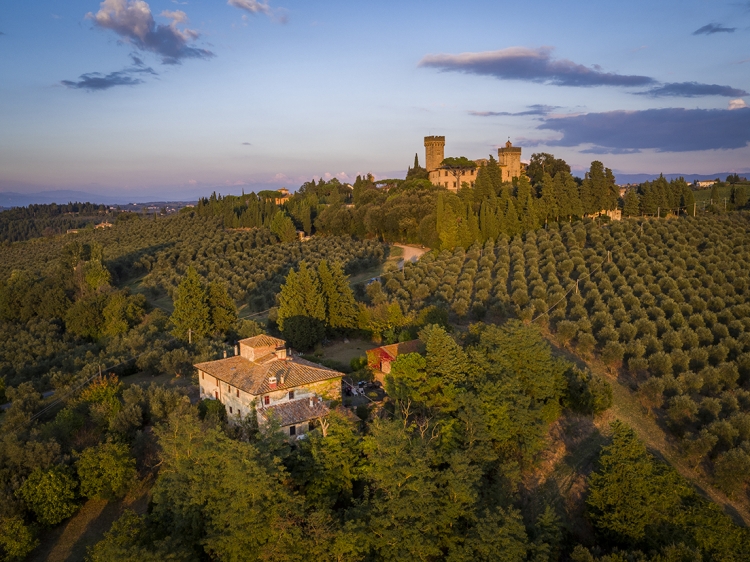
(662, 130)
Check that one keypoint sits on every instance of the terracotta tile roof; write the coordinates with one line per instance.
(263, 340)
(390, 352)
(296, 411)
(252, 376)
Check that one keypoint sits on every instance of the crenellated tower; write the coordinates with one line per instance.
(509, 160)
(434, 148)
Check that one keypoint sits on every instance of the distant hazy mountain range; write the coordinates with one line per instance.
(690, 178)
(16, 199)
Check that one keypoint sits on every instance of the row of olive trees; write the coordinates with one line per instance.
(667, 301)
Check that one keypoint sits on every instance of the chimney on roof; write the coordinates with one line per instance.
(281, 354)
(236, 350)
(225, 354)
(281, 379)
(272, 382)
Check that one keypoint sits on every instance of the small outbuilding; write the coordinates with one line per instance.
(380, 358)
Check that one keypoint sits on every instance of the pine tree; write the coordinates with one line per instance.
(630, 492)
(283, 227)
(191, 311)
(223, 310)
(445, 358)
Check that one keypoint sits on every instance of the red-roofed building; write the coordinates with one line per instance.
(380, 358)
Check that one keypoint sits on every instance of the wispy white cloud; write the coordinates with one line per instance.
(536, 109)
(737, 104)
(256, 7)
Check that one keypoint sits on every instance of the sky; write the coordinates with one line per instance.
(170, 98)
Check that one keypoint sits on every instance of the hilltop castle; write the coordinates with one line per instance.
(508, 158)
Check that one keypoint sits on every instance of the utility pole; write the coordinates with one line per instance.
(190, 336)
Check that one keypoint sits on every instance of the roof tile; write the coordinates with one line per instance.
(252, 376)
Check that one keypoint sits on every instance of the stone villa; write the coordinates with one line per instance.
(263, 374)
(508, 158)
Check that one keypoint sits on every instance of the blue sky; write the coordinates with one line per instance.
(177, 98)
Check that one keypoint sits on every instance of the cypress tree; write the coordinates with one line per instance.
(493, 171)
(341, 308)
(548, 202)
(191, 311)
(223, 310)
(512, 223)
(631, 206)
(301, 296)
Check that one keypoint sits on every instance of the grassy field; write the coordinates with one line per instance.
(345, 351)
(161, 301)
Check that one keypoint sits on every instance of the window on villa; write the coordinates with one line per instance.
(266, 400)
(291, 395)
(216, 393)
(293, 430)
(310, 426)
(238, 393)
(230, 409)
(203, 375)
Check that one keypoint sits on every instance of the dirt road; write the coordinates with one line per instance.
(411, 253)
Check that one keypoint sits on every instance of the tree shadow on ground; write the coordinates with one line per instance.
(71, 540)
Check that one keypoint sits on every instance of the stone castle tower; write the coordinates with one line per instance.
(509, 159)
(434, 152)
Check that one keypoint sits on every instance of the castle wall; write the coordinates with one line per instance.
(446, 179)
(508, 159)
